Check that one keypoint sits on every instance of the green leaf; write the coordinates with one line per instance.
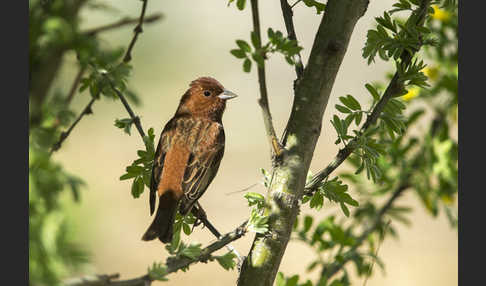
(373, 91)
(358, 117)
(280, 280)
(192, 251)
(319, 6)
(137, 187)
(227, 261)
(292, 281)
(317, 201)
(158, 271)
(354, 103)
(246, 65)
(240, 4)
(127, 176)
(307, 223)
(240, 54)
(186, 228)
(342, 109)
(243, 46)
(254, 199)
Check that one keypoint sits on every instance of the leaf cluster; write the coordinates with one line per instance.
(277, 44)
(335, 191)
(141, 168)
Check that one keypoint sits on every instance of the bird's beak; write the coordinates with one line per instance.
(226, 94)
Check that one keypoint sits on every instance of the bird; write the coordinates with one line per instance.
(188, 155)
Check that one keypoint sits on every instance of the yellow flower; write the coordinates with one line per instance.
(440, 14)
(431, 72)
(412, 92)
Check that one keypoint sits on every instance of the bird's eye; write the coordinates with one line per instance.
(207, 93)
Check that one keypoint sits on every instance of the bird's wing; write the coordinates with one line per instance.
(158, 165)
(202, 165)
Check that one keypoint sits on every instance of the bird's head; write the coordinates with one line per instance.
(206, 97)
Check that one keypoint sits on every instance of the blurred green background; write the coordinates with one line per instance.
(193, 39)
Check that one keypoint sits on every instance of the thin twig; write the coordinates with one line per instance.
(289, 25)
(74, 86)
(198, 211)
(173, 264)
(293, 5)
(127, 58)
(405, 184)
(65, 134)
(385, 229)
(121, 23)
(135, 118)
(329, 271)
(138, 29)
(263, 101)
(242, 190)
(393, 88)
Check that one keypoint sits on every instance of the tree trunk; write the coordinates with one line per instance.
(303, 129)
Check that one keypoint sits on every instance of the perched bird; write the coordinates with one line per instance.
(190, 149)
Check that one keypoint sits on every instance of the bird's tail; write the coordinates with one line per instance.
(161, 227)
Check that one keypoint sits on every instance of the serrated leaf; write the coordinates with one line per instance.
(227, 261)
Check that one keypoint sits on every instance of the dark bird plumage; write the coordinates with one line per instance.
(187, 158)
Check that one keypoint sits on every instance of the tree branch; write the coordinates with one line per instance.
(121, 23)
(311, 95)
(393, 88)
(405, 183)
(263, 100)
(289, 25)
(74, 86)
(137, 30)
(87, 110)
(173, 263)
(329, 271)
(126, 59)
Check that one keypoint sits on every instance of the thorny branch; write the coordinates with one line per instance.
(173, 264)
(275, 146)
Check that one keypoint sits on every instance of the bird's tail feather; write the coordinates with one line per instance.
(163, 222)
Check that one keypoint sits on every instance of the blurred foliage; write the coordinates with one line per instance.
(54, 31)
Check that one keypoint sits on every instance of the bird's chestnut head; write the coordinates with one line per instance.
(206, 97)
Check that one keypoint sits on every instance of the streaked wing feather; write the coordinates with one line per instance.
(199, 173)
